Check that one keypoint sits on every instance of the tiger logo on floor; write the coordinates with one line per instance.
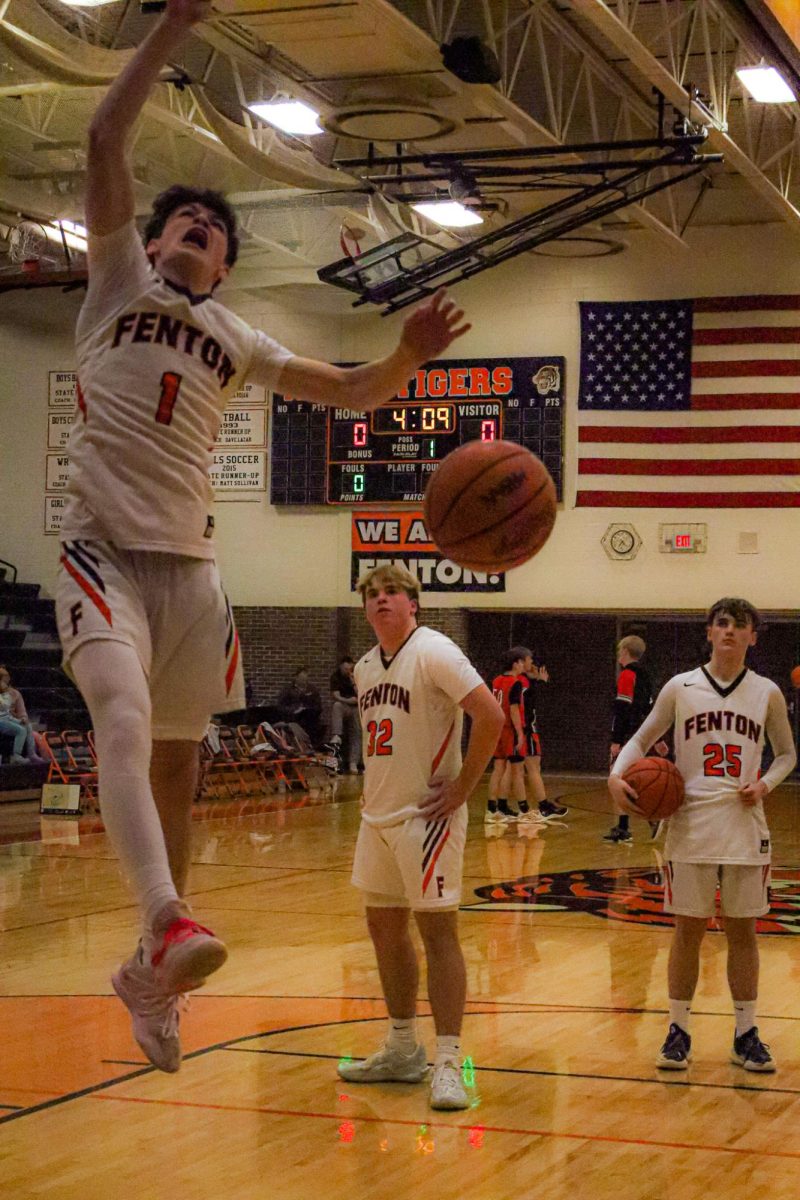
(632, 895)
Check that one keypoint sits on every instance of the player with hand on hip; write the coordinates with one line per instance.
(146, 630)
(413, 688)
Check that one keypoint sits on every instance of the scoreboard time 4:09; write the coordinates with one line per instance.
(337, 456)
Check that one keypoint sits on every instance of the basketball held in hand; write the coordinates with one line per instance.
(658, 785)
(490, 506)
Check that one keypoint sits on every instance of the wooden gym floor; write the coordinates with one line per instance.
(567, 983)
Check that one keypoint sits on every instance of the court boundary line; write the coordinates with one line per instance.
(230, 1043)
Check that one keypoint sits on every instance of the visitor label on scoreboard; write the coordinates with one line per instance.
(53, 512)
(58, 427)
(401, 537)
(239, 471)
(57, 474)
(62, 389)
(243, 427)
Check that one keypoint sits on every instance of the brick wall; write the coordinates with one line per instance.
(276, 641)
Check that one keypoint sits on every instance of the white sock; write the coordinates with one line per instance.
(745, 1015)
(679, 1013)
(448, 1049)
(401, 1034)
(114, 687)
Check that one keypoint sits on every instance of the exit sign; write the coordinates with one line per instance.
(683, 539)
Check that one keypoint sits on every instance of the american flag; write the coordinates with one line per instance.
(690, 403)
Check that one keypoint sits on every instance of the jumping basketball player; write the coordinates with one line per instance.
(412, 688)
(146, 630)
(719, 837)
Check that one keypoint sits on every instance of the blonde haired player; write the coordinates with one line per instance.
(413, 688)
(719, 838)
(146, 630)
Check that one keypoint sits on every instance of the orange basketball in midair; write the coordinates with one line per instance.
(490, 506)
(795, 677)
(658, 785)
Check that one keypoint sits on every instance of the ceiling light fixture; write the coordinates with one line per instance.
(87, 3)
(290, 116)
(67, 232)
(766, 85)
(448, 213)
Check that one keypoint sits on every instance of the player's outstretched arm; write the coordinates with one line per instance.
(487, 720)
(427, 333)
(109, 186)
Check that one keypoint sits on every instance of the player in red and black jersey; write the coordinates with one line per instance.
(533, 675)
(508, 774)
(632, 703)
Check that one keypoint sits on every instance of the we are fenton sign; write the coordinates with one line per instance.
(392, 537)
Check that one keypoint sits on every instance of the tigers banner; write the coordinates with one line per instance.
(392, 537)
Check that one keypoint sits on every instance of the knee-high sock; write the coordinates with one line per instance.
(113, 684)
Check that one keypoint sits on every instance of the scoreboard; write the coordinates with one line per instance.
(325, 455)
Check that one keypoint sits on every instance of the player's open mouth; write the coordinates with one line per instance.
(196, 237)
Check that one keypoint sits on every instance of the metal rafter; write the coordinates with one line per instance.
(762, 142)
(554, 74)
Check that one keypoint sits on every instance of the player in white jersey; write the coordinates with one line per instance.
(721, 714)
(413, 688)
(146, 630)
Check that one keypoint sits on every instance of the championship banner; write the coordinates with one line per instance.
(392, 537)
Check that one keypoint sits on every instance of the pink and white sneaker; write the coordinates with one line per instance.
(184, 956)
(154, 1016)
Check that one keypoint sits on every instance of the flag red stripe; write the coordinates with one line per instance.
(698, 466)
(709, 434)
(757, 400)
(755, 335)
(745, 366)
(689, 499)
(743, 303)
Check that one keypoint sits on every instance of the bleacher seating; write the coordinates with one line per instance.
(237, 770)
(29, 648)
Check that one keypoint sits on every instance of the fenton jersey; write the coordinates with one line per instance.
(156, 367)
(411, 721)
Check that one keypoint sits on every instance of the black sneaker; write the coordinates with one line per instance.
(615, 834)
(676, 1052)
(751, 1053)
(548, 808)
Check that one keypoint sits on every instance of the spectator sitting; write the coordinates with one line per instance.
(300, 701)
(14, 722)
(345, 717)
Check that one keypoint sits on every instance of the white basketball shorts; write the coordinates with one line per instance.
(172, 611)
(417, 864)
(690, 889)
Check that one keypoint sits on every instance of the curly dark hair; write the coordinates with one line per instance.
(174, 197)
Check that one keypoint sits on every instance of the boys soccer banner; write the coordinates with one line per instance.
(392, 537)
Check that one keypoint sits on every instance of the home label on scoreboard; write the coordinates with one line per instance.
(340, 456)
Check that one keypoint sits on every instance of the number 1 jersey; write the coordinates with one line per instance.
(156, 367)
